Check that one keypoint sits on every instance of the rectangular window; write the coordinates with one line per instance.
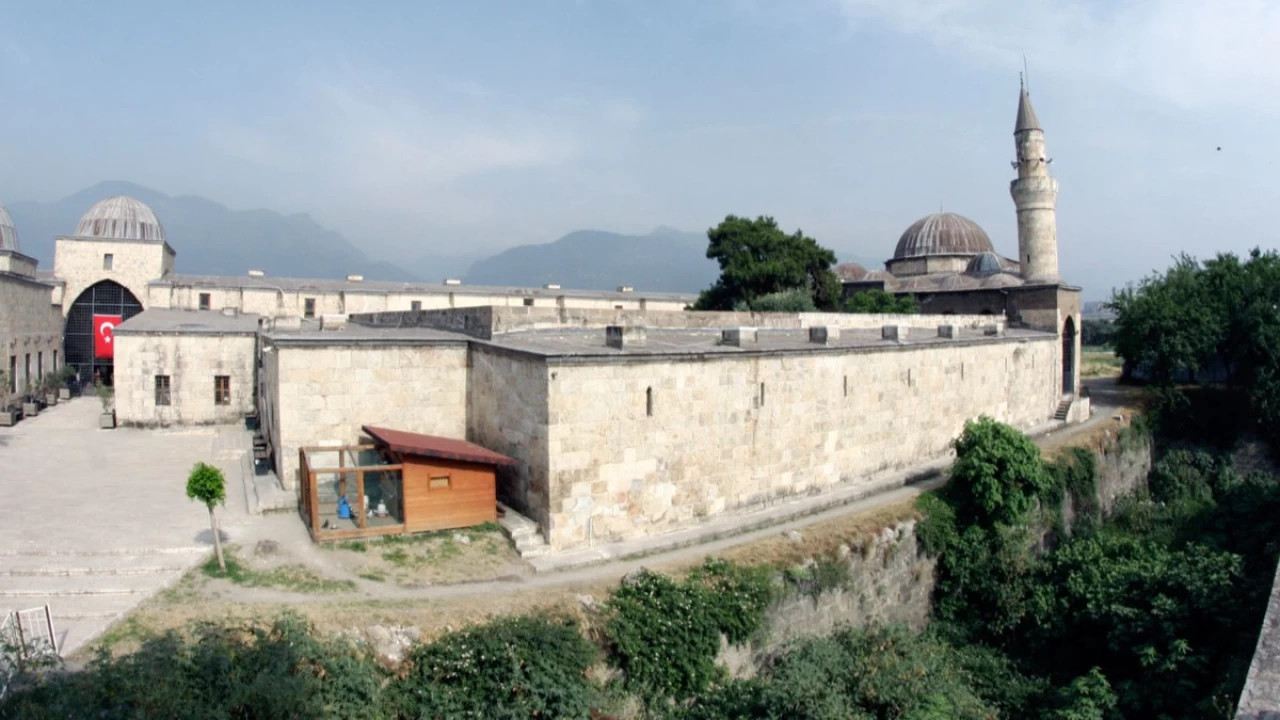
(162, 390)
(528, 302)
(107, 261)
(221, 389)
(40, 365)
(761, 394)
(55, 359)
(13, 375)
(309, 307)
(416, 305)
(205, 301)
(438, 482)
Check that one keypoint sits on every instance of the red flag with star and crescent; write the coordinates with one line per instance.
(104, 328)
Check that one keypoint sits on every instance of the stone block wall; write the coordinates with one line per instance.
(507, 413)
(326, 393)
(728, 433)
(79, 263)
(191, 361)
(30, 330)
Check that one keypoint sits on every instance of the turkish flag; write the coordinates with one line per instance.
(104, 328)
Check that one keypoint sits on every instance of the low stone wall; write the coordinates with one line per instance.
(1260, 699)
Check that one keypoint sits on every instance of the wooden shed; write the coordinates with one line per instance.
(403, 483)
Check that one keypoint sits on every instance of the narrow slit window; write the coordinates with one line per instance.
(309, 307)
(648, 401)
(162, 390)
(108, 260)
(761, 394)
(205, 301)
(846, 386)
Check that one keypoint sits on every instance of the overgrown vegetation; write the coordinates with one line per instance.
(292, 578)
(879, 301)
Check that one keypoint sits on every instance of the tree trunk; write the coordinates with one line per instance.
(217, 541)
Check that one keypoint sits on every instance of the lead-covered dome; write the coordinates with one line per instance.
(943, 234)
(121, 218)
(8, 232)
(987, 263)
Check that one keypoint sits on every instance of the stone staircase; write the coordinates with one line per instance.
(87, 591)
(1064, 408)
(524, 533)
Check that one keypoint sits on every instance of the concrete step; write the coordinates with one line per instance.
(45, 565)
(533, 552)
(23, 588)
(75, 607)
(105, 552)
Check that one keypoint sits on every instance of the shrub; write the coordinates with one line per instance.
(520, 667)
(797, 300)
(998, 475)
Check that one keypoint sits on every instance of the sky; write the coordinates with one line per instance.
(467, 127)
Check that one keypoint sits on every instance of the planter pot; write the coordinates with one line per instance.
(107, 420)
(64, 393)
(8, 418)
(30, 409)
(51, 399)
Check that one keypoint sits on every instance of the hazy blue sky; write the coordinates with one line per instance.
(470, 126)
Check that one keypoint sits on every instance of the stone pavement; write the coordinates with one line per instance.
(97, 520)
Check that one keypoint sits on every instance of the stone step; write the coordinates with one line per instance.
(106, 552)
(45, 565)
(75, 607)
(18, 589)
(533, 552)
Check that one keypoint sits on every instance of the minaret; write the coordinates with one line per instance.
(1035, 194)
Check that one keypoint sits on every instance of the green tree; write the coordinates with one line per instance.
(757, 258)
(998, 475)
(879, 301)
(798, 300)
(206, 484)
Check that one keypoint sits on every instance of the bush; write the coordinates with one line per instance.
(521, 667)
(879, 301)
(998, 475)
(797, 300)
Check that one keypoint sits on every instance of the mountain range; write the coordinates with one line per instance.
(212, 239)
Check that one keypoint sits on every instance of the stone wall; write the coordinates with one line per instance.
(79, 262)
(645, 447)
(191, 362)
(326, 393)
(30, 331)
(507, 413)
(1260, 698)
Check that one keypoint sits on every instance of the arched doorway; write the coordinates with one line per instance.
(1069, 356)
(105, 298)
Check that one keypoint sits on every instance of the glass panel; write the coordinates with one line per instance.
(385, 489)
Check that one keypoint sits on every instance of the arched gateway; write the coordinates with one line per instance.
(1069, 356)
(88, 339)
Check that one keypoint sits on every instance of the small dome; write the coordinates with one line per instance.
(8, 233)
(850, 272)
(943, 234)
(121, 218)
(985, 264)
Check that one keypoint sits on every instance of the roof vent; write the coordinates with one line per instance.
(452, 281)
(256, 273)
(739, 336)
(617, 336)
(894, 332)
(229, 311)
(626, 288)
(950, 332)
(823, 334)
(333, 322)
(551, 286)
(996, 329)
(355, 278)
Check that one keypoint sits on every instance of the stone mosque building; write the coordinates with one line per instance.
(622, 413)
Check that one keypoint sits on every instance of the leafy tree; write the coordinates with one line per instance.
(206, 484)
(879, 301)
(757, 258)
(1097, 333)
(998, 475)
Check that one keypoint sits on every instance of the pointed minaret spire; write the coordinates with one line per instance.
(1035, 194)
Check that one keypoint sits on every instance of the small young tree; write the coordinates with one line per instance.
(207, 485)
(6, 393)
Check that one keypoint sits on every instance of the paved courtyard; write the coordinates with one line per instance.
(97, 520)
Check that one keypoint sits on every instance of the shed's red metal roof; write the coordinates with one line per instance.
(410, 443)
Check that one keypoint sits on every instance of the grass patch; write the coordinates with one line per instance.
(130, 629)
(351, 545)
(294, 578)
(1100, 363)
(373, 576)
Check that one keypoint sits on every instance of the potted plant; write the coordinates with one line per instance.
(66, 376)
(7, 415)
(50, 386)
(106, 394)
(31, 398)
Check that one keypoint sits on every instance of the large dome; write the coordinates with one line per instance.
(942, 234)
(8, 233)
(120, 218)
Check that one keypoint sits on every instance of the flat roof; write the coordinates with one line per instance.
(268, 282)
(590, 343)
(354, 334)
(192, 322)
(409, 443)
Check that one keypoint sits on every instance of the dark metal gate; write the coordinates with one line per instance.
(105, 297)
(1069, 356)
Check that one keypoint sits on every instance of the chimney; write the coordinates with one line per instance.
(333, 322)
(452, 281)
(229, 311)
(551, 286)
(619, 337)
(739, 336)
(995, 329)
(256, 273)
(355, 278)
(894, 332)
(625, 288)
(950, 332)
(823, 334)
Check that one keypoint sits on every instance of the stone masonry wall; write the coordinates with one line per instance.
(507, 413)
(723, 434)
(191, 362)
(30, 330)
(79, 263)
(325, 393)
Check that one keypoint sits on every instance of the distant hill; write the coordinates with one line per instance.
(211, 239)
(665, 260)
